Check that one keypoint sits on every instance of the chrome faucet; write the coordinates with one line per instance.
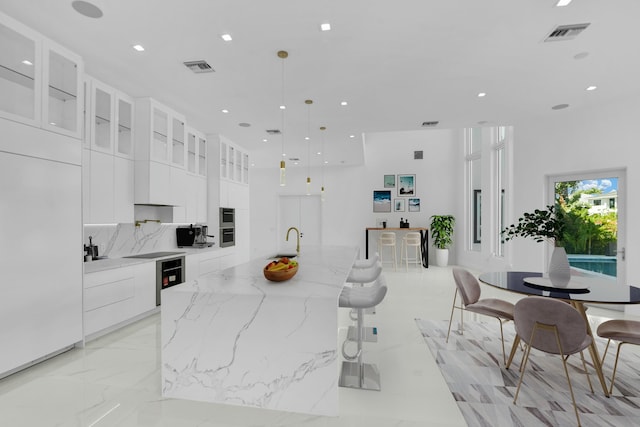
(298, 238)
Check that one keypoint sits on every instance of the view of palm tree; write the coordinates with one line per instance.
(590, 212)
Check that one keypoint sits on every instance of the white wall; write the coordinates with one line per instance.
(602, 137)
(348, 206)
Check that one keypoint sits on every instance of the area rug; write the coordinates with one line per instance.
(473, 368)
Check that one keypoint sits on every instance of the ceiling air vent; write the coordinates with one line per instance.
(417, 155)
(430, 124)
(199, 66)
(565, 32)
(273, 131)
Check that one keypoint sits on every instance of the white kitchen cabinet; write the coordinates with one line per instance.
(41, 307)
(40, 81)
(195, 191)
(108, 186)
(202, 155)
(199, 264)
(116, 296)
(160, 154)
(124, 136)
(234, 164)
(62, 90)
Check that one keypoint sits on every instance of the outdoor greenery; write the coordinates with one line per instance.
(568, 223)
(442, 230)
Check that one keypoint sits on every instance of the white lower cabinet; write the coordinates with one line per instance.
(115, 296)
(208, 262)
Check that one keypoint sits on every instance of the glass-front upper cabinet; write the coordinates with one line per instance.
(238, 166)
(62, 90)
(20, 71)
(160, 126)
(102, 118)
(124, 126)
(223, 160)
(231, 163)
(191, 152)
(202, 156)
(177, 142)
(245, 168)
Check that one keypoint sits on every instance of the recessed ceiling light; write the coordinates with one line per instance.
(226, 37)
(319, 152)
(560, 107)
(27, 62)
(325, 27)
(326, 161)
(352, 136)
(253, 164)
(306, 138)
(482, 94)
(562, 3)
(284, 155)
(52, 123)
(87, 9)
(264, 140)
(138, 47)
(224, 110)
(283, 107)
(590, 88)
(343, 103)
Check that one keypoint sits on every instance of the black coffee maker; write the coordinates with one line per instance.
(90, 250)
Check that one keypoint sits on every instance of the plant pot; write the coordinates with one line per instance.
(442, 257)
(559, 269)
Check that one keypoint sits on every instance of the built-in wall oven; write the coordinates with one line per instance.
(227, 227)
(169, 272)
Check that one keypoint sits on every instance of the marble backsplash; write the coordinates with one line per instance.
(118, 240)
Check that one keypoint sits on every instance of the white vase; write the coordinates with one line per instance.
(442, 257)
(559, 269)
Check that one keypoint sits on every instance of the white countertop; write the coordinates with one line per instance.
(234, 337)
(111, 263)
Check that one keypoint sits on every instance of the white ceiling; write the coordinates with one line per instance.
(397, 63)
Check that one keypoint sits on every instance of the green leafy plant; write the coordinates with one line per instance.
(442, 230)
(541, 225)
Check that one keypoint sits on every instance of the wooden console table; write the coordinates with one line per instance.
(424, 233)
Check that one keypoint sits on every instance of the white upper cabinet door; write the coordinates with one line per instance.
(202, 156)
(102, 117)
(124, 126)
(62, 90)
(20, 72)
(178, 146)
(192, 155)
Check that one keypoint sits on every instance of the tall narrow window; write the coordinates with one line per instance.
(473, 157)
(500, 180)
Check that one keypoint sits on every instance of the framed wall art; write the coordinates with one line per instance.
(381, 201)
(389, 181)
(406, 185)
(398, 205)
(414, 205)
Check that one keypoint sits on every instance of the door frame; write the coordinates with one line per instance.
(282, 232)
(621, 174)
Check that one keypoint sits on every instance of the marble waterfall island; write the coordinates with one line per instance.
(233, 337)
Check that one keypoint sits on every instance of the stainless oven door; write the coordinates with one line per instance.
(227, 237)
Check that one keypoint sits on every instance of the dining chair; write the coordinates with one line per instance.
(555, 327)
(411, 240)
(624, 331)
(469, 289)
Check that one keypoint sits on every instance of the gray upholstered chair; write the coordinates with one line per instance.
(355, 373)
(624, 331)
(469, 289)
(551, 326)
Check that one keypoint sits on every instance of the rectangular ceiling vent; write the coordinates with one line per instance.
(417, 155)
(199, 67)
(565, 32)
(273, 131)
(430, 124)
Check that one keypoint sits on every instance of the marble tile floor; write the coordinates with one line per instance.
(115, 380)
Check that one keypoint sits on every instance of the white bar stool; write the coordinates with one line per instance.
(360, 277)
(412, 239)
(358, 374)
(388, 239)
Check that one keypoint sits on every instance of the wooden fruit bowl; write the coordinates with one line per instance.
(280, 276)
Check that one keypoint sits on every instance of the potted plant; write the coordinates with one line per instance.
(545, 225)
(442, 233)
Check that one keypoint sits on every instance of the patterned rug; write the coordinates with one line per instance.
(473, 368)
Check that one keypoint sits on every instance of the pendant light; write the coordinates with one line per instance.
(308, 138)
(282, 54)
(322, 128)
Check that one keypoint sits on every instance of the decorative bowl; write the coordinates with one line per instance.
(281, 275)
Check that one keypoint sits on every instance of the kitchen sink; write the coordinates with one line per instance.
(289, 255)
(152, 255)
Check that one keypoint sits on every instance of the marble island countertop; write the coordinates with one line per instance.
(234, 337)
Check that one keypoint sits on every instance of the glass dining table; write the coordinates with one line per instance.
(581, 289)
